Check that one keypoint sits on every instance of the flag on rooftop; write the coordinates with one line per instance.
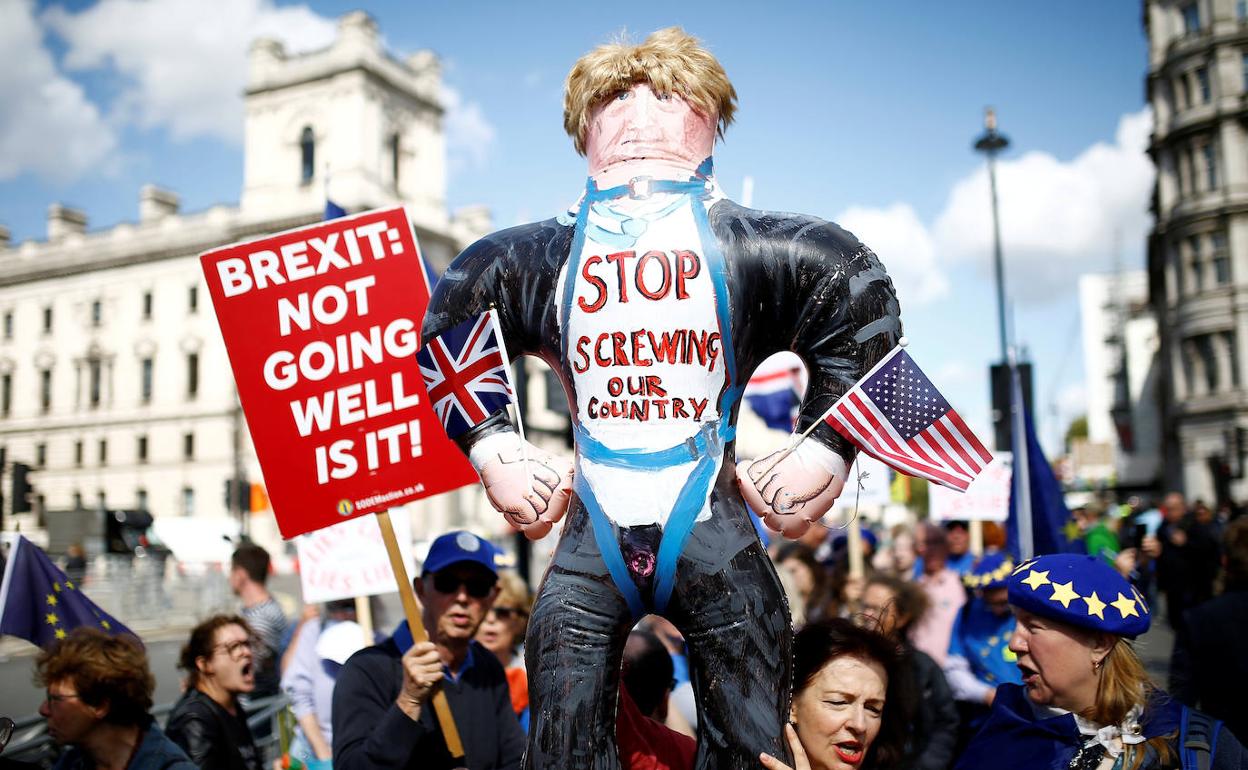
(466, 374)
(40, 604)
(896, 415)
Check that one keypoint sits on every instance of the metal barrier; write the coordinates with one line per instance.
(153, 591)
(31, 743)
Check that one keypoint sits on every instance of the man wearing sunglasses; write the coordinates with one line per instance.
(382, 715)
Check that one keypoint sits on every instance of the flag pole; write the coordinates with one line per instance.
(1022, 467)
(511, 378)
(412, 612)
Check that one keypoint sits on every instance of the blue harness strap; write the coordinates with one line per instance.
(1198, 739)
(705, 447)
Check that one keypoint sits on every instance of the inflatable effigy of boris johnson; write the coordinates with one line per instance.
(653, 299)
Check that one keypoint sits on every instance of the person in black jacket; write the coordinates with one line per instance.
(1208, 669)
(892, 605)
(382, 714)
(208, 722)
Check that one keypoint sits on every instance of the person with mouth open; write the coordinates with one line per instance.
(1086, 702)
(208, 722)
(851, 707)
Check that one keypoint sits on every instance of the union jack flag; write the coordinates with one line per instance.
(465, 372)
(896, 415)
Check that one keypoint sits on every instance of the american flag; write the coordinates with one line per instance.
(466, 374)
(896, 415)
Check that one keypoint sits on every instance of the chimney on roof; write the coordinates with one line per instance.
(63, 221)
(156, 203)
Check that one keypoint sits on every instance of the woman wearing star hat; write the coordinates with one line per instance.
(1086, 702)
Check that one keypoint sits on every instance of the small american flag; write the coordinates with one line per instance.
(466, 374)
(896, 415)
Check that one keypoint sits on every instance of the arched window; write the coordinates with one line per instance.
(394, 159)
(307, 155)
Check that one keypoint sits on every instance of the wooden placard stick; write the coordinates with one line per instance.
(412, 612)
(977, 537)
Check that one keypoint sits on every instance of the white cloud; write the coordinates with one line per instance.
(47, 126)
(183, 62)
(469, 134)
(1058, 219)
(905, 247)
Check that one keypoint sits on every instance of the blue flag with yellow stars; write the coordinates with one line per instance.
(40, 604)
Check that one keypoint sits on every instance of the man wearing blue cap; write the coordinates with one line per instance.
(382, 717)
(979, 654)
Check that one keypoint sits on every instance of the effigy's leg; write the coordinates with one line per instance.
(732, 611)
(572, 651)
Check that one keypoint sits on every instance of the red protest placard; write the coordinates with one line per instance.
(322, 325)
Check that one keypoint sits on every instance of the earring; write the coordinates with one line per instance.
(1096, 664)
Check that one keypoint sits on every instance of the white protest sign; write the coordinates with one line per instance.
(986, 499)
(349, 559)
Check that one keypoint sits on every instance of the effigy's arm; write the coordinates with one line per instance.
(513, 273)
(834, 306)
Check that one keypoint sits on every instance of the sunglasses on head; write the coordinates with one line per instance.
(478, 586)
(507, 613)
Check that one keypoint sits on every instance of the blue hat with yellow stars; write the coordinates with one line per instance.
(990, 571)
(1080, 590)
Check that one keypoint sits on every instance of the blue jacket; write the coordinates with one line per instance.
(156, 752)
(1034, 743)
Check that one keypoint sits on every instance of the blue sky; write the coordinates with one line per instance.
(855, 111)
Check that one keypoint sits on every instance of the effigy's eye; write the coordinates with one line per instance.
(664, 97)
(622, 95)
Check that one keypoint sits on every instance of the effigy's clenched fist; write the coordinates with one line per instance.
(792, 491)
(529, 486)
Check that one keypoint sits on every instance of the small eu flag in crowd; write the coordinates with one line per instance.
(896, 415)
(465, 371)
(40, 604)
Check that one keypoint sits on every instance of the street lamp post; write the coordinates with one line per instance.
(990, 143)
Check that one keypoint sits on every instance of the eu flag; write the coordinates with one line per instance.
(40, 604)
(1048, 506)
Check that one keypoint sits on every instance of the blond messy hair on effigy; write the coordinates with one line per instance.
(670, 61)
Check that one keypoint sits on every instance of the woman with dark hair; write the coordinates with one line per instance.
(891, 606)
(808, 581)
(851, 704)
(1086, 702)
(208, 722)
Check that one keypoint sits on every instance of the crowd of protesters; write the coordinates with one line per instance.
(920, 647)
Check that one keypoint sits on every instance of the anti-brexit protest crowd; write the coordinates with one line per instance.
(697, 611)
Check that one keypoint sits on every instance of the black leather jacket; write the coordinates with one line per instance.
(213, 738)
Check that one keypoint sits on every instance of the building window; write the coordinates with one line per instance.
(101, 501)
(1232, 357)
(1208, 361)
(1210, 156)
(188, 501)
(307, 155)
(1184, 92)
(192, 375)
(1246, 69)
(103, 452)
(147, 306)
(140, 499)
(1198, 268)
(1221, 259)
(6, 393)
(192, 300)
(41, 455)
(1202, 82)
(145, 380)
(394, 159)
(1191, 18)
(47, 320)
(45, 390)
(188, 446)
(78, 453)
(141, 450)
(97, 312)
(77, 501)
(8, 325)
(1241, 10)
(96, 380)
